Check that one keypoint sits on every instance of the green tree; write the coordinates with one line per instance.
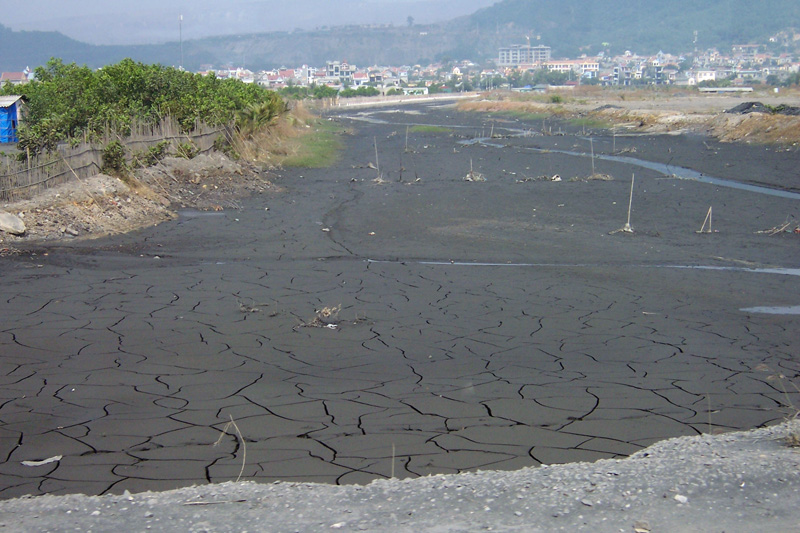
(70, 101)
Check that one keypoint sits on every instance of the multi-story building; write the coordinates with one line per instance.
(518, 54)
(342, 71)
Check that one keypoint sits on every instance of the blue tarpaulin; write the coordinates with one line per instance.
(9, 118)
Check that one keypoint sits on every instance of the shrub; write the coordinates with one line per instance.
(114, 159)
(152, 155)
(70, 101)
(186, 150)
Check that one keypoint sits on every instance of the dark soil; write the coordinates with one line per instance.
(483, 325)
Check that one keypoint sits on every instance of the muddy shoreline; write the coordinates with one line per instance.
(483, 325)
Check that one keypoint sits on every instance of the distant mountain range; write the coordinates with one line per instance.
(570, 27)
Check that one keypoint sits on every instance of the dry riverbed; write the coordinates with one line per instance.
(471, 325)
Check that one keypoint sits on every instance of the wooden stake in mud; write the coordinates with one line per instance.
(377, 163)
(706, 221)
(614, 144)
(627, 228)
(406, 139)
(591, 143)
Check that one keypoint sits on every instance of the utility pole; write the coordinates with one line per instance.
(180, 36)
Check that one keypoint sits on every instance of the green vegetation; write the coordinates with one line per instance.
(543, 77)
(152, 155)
(319, 148)
(186, 150)
(297, 92)
(784, 79)
(361, 91)
(68, 101)
(114, 159)
(423, 128)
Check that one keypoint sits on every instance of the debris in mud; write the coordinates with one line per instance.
(593, 177)
(472, 175)
(554, 177)
(789, 226)
(323, 318)
(43, 462)
(607, 106)
(252, 307)
(757, 107)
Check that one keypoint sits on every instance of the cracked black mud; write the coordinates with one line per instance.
(488, 325)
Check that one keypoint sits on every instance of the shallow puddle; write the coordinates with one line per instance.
(790, 310)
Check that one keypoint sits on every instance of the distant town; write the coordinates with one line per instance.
(523, 67)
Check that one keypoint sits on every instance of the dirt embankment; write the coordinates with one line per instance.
(104, 205)
(655, 112)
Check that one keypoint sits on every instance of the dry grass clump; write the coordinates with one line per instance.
(323, 318)
(272, 144)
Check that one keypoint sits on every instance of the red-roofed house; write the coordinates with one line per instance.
(15, 78)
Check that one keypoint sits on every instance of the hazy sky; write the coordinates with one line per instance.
(149, 21)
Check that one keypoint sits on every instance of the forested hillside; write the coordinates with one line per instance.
(646, 26)
(19, 49)
(570, 27)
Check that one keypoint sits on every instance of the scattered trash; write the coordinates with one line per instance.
(323, 318)
(594, 177)
(43, 462)
(250, 308)
(472, 175)
(790, 226)
(680, 498)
